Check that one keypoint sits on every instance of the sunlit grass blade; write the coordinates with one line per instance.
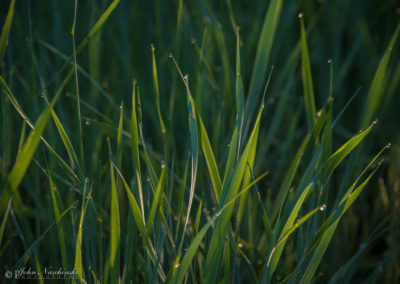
(157, 91)
(230, 188)
(6, 30)
(328, 233)
(308, 88)
(191, 251)
(156, 201)
(114, 232)
(210, 160)
(60, 229)
(25, 156)
(78, 245)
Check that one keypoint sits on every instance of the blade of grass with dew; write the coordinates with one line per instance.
(114, 232)
(264, 47)
(276, 252)
(139, 219)
(336, 158)
(328, 234)
(6, 30)
(230, 188)
(308, 88)
(191, 251)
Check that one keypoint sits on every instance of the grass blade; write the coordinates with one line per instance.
(6, 30)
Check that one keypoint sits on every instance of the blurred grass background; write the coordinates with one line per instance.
(201, 35)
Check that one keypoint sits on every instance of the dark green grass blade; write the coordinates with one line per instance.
(265, 43)
(308, 88)
(6, 30)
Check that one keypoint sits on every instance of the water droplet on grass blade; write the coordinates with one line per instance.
(389, 145)
(300, 15)
(323, 207)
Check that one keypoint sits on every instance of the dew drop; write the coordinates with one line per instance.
(170, 55)
(389, 145)
(319, 113)
(120, 107)
(375, 121)
(87, 122)
(177, 265)
(162, 165)
(87, 180)
(229, 145)
(323, 207)
(240, 245)
(300, 15)
(186, 76)
(330, 61)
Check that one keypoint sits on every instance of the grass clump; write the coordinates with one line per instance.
(218, 164)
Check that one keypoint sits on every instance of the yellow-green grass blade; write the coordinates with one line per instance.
(135, 147)
(264, 46)
(78, 265)
(328, 233)
(100, 22)
(157, 91)
(114, 231)
(210, 159)
(230, 188)
(156, 200)
(60, 229)
(336, 158)
(65, 139)
(25, 156)
(239, 92)
(140, 224)
(191, 251)
(288, 179)
(276, 253)
(376, 90)
(3, 222)
(308, 88)
(6, 30)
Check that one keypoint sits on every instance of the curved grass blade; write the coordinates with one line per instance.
(156, 89)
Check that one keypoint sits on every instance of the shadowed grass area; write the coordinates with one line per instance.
(200, 141)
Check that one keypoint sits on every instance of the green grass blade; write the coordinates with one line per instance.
(156, 200)
(308, 88)
(265, 43)
(78, 247)
(6, 30)
(114, 232)
(375, 93)
(191, 251)
(210, 160)
(156, 89)
(230, 188)
(328, 233)
(25, 156)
